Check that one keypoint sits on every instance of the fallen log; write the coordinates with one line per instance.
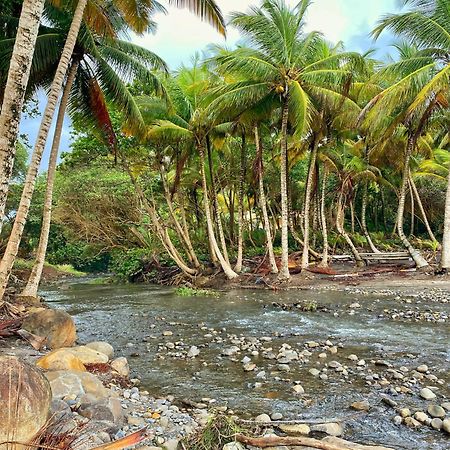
(274, 441)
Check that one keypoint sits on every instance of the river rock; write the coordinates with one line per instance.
(436, 423)
(360, 406)
(233, 446)
(230, 351)
(411, 422)
(56, 326)
(22, 419)
(263, 418)
(89, 356)
(314, 372)
(193, 352)
(436, 411)
(61, 359)
(427, 394)
(298, 389)
(295, 429)
(421, 416)
(330, 428)
(446, 425)
(422, 368)
(72, 384)
(120, 365)
(109, 409)
(446, 406)
(102, 347)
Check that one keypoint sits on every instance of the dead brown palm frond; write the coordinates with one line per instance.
(8, 309)
(9, 327)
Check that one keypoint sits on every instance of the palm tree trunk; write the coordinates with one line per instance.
(159, 229)
(223, 262)
(30, 181)
(283, 274)
(422, 210)
(34, 279)
(415, 254)
(324, 262)
(363, 219)
(340, 227)
(240, 250)
(263, 202)
(215, 204)
(413, 216)
(183, 235)
(444, 264)
(309, 183)
(14, 91)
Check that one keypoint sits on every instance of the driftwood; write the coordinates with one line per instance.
(274, 441)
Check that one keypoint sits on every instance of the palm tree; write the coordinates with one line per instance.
(204, 8)
(422, 84)
(93, 59)
(286, 65)
(187, 122)
(14, 91)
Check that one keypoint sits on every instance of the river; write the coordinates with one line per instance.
(133, 318)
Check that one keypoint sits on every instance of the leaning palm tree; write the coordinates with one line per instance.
(94, 79)
(287, 65)
(421, 83)
(14, 91)
(204, 8)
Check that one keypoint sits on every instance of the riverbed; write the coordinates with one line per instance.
(391, 330)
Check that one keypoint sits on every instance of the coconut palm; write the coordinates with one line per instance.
(187, 122)
(286, 65)
(14, 91)
(421, 82)
(204, 8)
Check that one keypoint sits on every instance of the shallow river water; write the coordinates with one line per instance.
(133, 319)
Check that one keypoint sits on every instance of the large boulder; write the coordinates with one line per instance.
(56, 326)
(102, 347)
(88, 356)
(70, 384)
(25, 399)
(61, 359)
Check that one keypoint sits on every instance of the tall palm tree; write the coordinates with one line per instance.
(421, 82)
(287, 65)
(14, 91)
(204, 8)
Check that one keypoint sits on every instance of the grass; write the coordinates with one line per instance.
(191, 292)
(27, 264)
(101, 281)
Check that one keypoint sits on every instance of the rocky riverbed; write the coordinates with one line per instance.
(352, 354)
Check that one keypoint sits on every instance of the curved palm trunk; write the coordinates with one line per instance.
(363, 220)
(415, 254)
(309, 183)
(182, 233)
(159, 229)
(215, 204)
(30, 181)
(229, 272)
(283, 274)
(340, 227)
(240, 250)
(445, 256)
(413, 215)
(422, 210)
(34, 279)
(324, 262)
(14, 91)
(263, 202)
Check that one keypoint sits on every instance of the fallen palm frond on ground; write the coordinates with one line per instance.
(9, 327)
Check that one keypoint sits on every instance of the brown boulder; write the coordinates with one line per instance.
(25, 399)
(61, 359)
(56, 326)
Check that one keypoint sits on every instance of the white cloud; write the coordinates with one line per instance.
(180, 33)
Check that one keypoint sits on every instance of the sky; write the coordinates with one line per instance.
(180, 35)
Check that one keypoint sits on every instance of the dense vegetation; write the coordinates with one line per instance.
(287, 144)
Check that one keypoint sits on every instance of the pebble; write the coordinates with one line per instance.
(436, 411)
(360, 406)
(298, 389)
(276, 416)
(446, 425)
(314, 372)
(422, 369)
(427, 394)
(263, 418)
(421, 416)
(436, 423)
(193, 352)
(398, 420)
